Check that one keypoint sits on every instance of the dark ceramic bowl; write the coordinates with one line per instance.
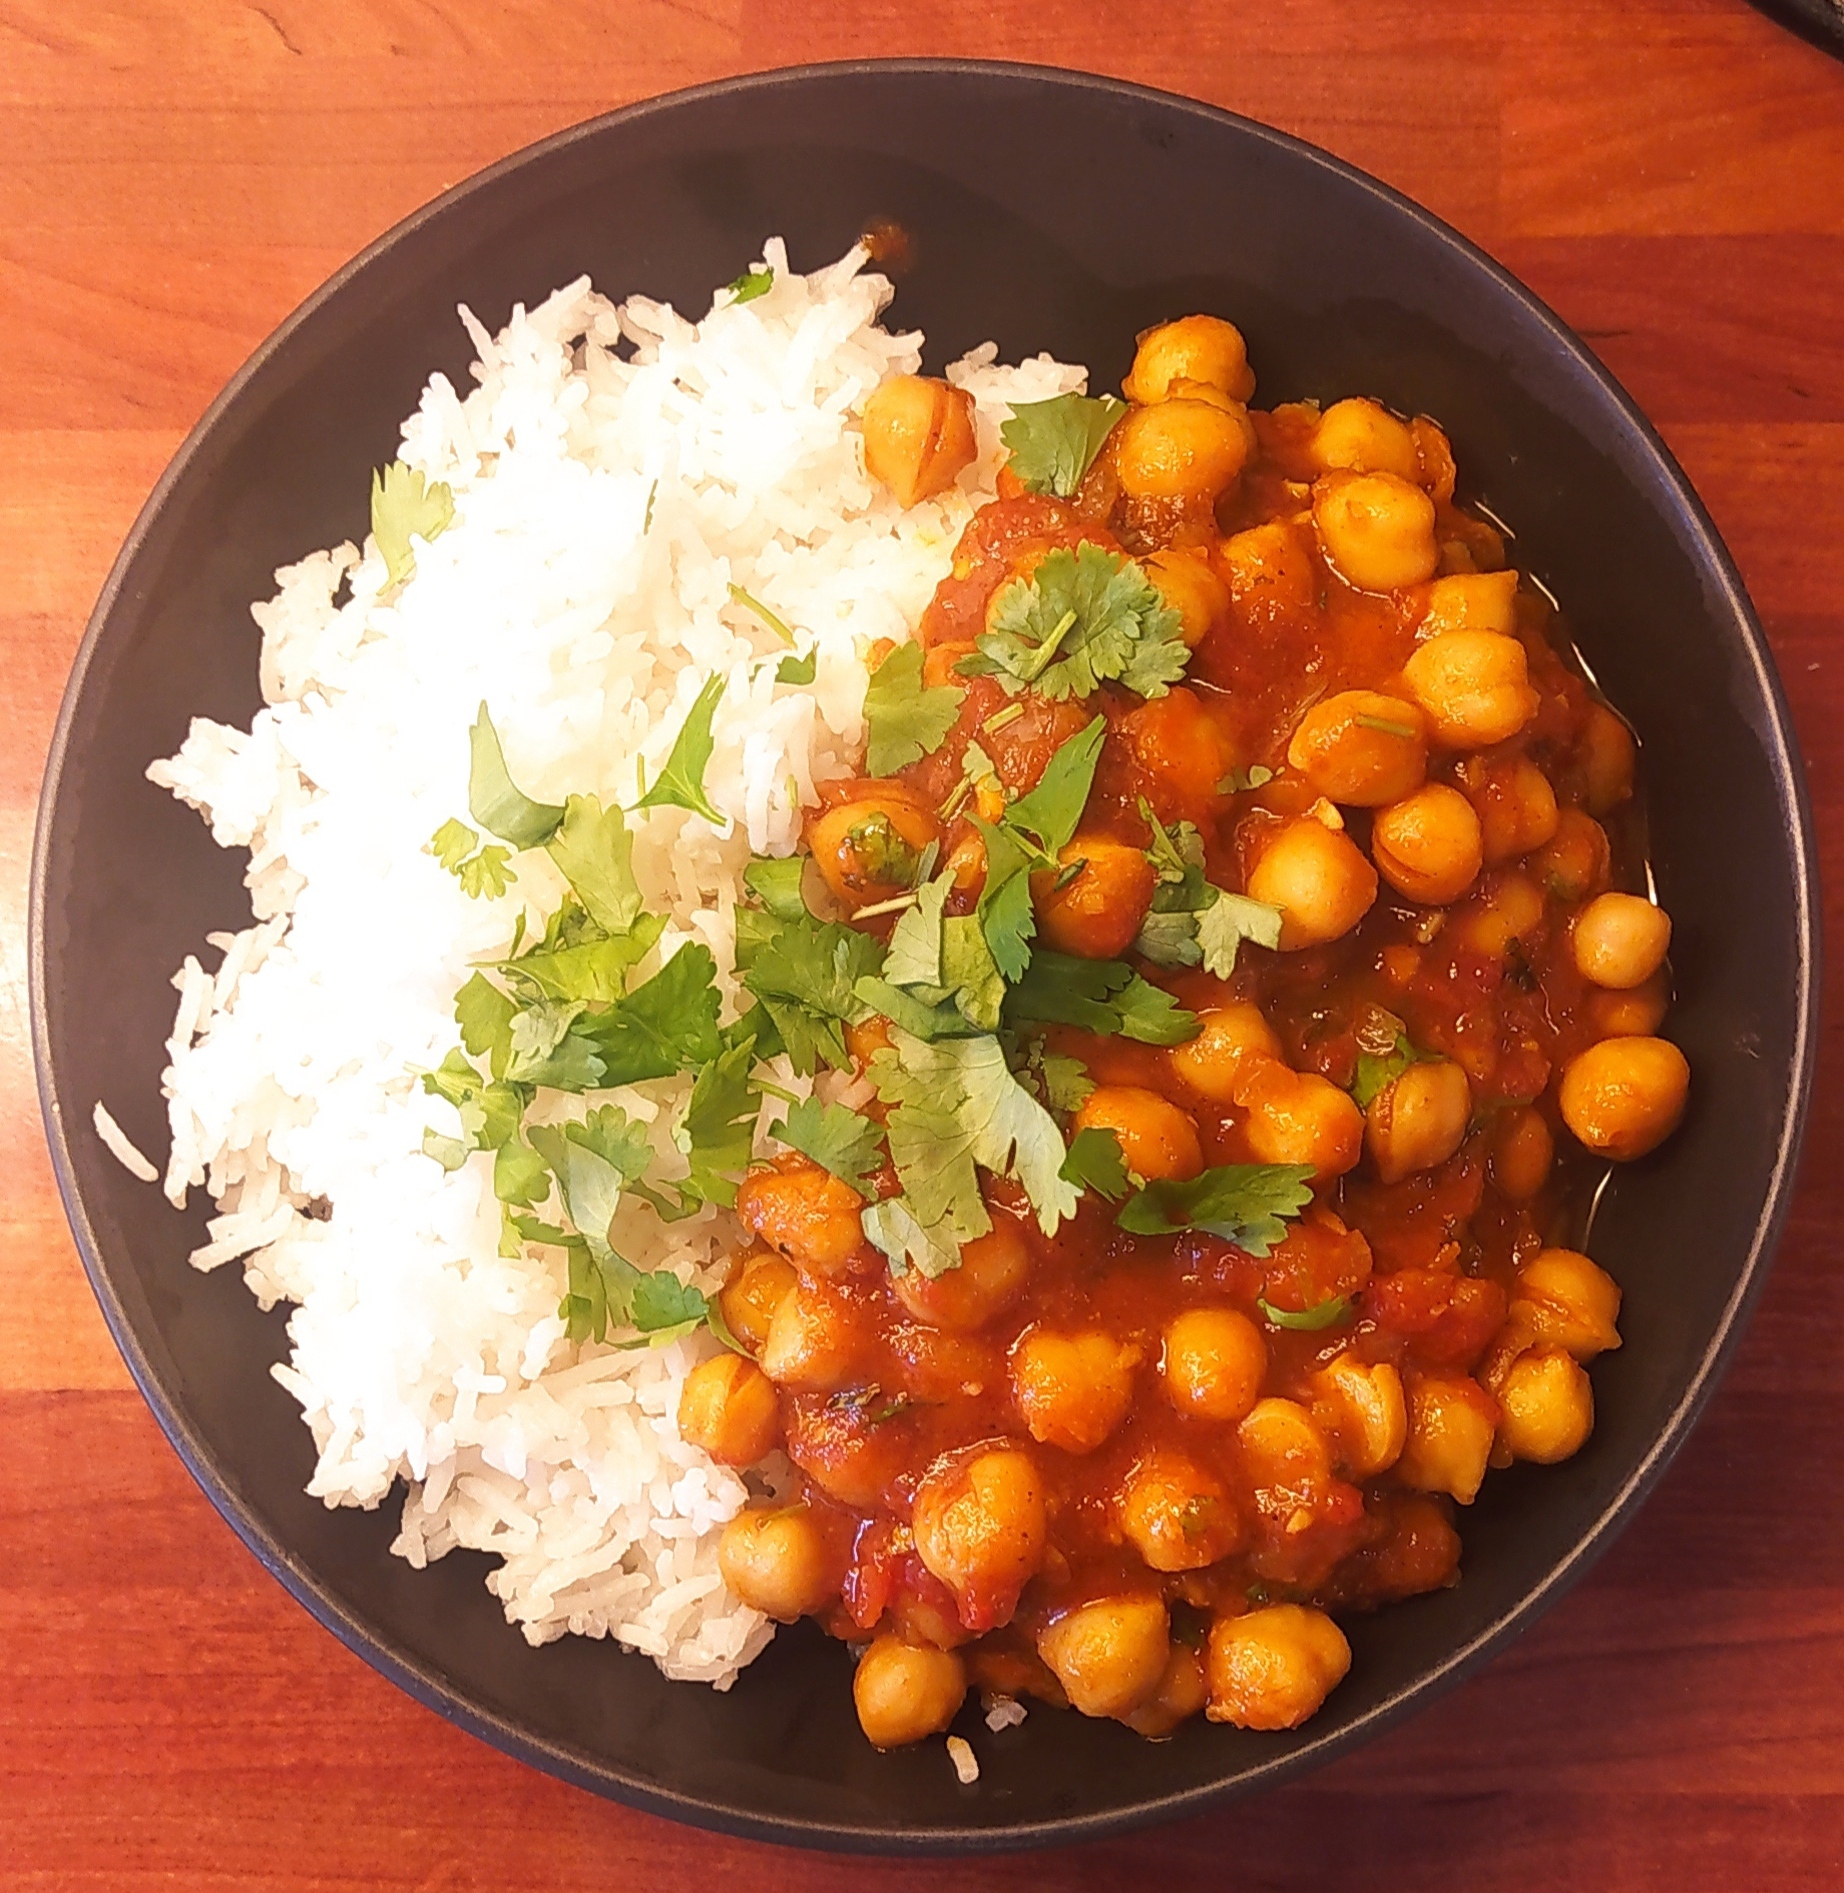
(1049, 211)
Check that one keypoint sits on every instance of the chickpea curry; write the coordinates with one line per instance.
(1230, 999)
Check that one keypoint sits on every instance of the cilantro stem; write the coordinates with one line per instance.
(775, 1091)
(1384, 727)
(754, 604)
(1039, 660)
(885, 906)
(1002, 719)
(957, 797)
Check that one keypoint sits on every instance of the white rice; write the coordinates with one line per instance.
(417, 1352)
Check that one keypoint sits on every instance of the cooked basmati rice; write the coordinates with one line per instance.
(615, 471)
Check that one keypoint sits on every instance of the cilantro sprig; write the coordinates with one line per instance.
(1083, 618)
(905, 722)
(406, 506)
(681, 782)
(1244, 1203)
(1054, 443)
(1191, 921)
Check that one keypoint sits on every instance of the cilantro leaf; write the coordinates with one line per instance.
(1227, 922)
(663, 1308)
(798, 670)
(485, 1016)
(1054, 443)
(1082, 618)
(904, 722)
(595, 970)
(520, 1176)
(450, 1152)
(1103, 996)
(404, 504)
(1306, 1320)
(884, 854)
(1240, 781)
(545, 1052)
(1377, 1071)
(805, 975)
(451, 844)
(493, 801)
(718, 1131)
(665, 1025)
(1051, 813)
(971, 973)
(1067, 1085)
(486, 873)
(1096, 1162)
(681, 782)
(1005, 901)
(923, 1018)
(835, 1138)
(1244, 1203)
(595, 852)
(914, 958)
(589, 1183)
(955, 1103)
(757, 280)
(775, 882)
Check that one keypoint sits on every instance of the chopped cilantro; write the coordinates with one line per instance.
(1051, 813)
(775, 882)
(663, 1308)
(451, 844)
(404, 506)
(835, 1138)
(665, 1025)
(485, 1016)
(493, 801)
(718, 1131)
(482, 873)
(804, 973)
(1082, 619)
(1054, 443)
(521, 1177)
(1067, 1085)
(904, 722)
(1244, 1203)
(1240, 781)
(1306, 1320)
(594, 850)
(1227, 922)
(884, 854)
(594, 970)
(1384, 727)
(450, 1152)
(798, 670)
(1004, 906)
(1096, 1162)
(1102, 996)
(1377, 1071)
(757, 280)
(681, 782)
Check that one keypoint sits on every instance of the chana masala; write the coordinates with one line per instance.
(1240, 1002)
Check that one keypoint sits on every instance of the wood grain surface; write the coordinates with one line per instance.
(175, 175)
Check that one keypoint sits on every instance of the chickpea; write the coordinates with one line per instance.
(1283, 1445)
(1624, 1097)
(1608, 756)
(1181, 1692)
(1522, 1151)
(993, 1271)
(1194, 348)
(903, 1692)
(1176, 1515)
(729, 1408)
(1420, 1120)
(867, 849)
(1376, 529)
(1361, 748)
(1636, 1013)
(1109, 1655)
(1475, 685)
(1271, 1668)
(1471, 601)
(1517, 807)
(1429, 846)
(1319, 880)
(1271, 573)
(1187, 585)
(1546, 1406)
(1184, 450)
(966, 862)
(805, 1212)
(918, 436)
(808, 1347)
(1179, 747)
(1452, 1420)
(1073, 1389)
(1361, 436)
(750, 1299)
(1213, 1364)
(1574, 863)
(1299, 1117)
(1620, 940)
(1156, 1137)
(775, 1560)
(1564, 1298)
(1097, 915)
(1365, 1411)
(1225, 1038)
(1513, 906)
(979, 1526)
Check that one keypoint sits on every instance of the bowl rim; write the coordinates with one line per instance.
(427, 1684)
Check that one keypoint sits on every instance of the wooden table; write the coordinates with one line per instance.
(175, 175)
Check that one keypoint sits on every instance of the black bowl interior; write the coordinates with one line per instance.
(1049, 211)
